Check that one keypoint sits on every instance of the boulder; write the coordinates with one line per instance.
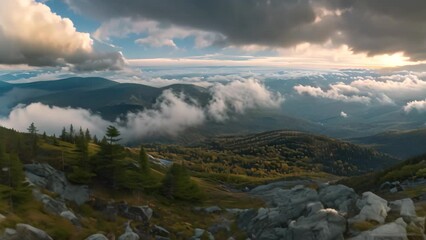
(129, 234)
(289, 205)
(45, 176)
(97, 236)
(405, 208)
(25, 231)
(372, 207)
(324, 224)
(2, 217)
(160, 231)
(395, 231)
(338, 197)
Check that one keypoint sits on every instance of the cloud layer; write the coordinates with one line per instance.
(31, 34)
(373, 27)
(387, 89)
(171, 114)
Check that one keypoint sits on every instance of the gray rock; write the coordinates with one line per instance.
(56, 207)
(129, 234)
(405, 207)
(392, 231)
(325, 224)
(25, 232)
(160, 231)
(97, 236)
(338, 197)
(236, 210)
(45, 176)
(141, 213)
(2, 217)
(223, 225)
(198, 232)
(289, 205)
(372, 207)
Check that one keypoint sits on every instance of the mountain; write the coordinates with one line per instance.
(402, 144)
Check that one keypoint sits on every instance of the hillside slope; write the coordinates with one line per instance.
(402, 144)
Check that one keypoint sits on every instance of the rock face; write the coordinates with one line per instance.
(372, 207)
(25, 231)
(45, 176)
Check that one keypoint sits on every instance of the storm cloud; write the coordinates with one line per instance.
(373, 27)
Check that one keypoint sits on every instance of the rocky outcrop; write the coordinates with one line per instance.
(25, 231)
(304, 213)
(56, 207)
(372, 207)
(45, 176)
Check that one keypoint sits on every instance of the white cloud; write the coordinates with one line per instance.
(53, 119)
(387, 89)
(238, 96)
(420, 106)
(343, 114)
(30, 33)
(336, 92)
(170, 116)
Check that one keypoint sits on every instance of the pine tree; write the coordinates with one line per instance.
(177, 184)
(112, 134)
(144, 162)
(87, 135)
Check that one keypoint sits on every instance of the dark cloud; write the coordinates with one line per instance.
(370, 26)
(272, 22)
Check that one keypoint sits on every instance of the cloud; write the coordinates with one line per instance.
(30, 33)
(241, 22)
(238, 96)
(420, 106)
(340, 92)
(343, 114)
(170, 115)
(374, 27)
(158, 35)
(385, 89)
(53, 119)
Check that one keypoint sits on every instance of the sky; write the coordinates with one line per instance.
(109, 35)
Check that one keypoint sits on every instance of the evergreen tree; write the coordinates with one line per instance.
(87, 135)
(177, 184)
(32, 129)
(144, 162)
(112, 134)
(64, 135)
